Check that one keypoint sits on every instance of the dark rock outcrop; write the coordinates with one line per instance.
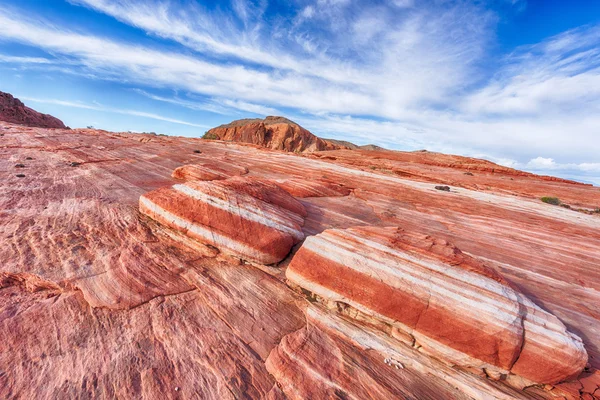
(14, 111)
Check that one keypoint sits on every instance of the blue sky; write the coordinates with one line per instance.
(513, 81)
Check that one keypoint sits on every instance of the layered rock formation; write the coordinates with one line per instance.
(208, 171)
(275, 133)
(99, 301)
(252, 219)
(445, 302)
(313, 188)
(14, 111)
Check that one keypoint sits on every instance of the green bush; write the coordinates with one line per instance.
(555, 201)
(210, 136)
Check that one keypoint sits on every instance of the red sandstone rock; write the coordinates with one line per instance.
(98, 301)
(241, 216)
(335, 357)
(14, 111)
(208, 171)
(275, 133)
(313, 188)
(452, 305)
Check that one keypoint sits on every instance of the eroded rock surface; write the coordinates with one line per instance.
(98, 300)
(451, 305)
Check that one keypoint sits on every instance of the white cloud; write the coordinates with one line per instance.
(112, 110)
(403, 3)
(541, 163)
(24, 60)
(307, 12)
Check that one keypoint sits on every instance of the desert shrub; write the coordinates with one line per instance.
(210, 136)
(555, 201)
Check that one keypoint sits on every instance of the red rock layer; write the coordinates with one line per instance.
(335, 357)
(466, 172)
(275, 133)
(242, 216)
(208, 171)
(455, 307)
(313, 188)
(14, 111)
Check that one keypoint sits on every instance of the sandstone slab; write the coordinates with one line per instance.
(455, 307)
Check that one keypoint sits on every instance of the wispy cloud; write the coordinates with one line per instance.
(223, 106)
(112, 110)
(24, 60)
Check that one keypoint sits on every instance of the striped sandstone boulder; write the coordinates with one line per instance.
(254, 220)
(450, 304)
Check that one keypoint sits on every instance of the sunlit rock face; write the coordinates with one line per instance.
(99, 300)
(254, 220)
(275, 133)
(449, 303)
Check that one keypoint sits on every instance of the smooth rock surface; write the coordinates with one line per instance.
(455, 307)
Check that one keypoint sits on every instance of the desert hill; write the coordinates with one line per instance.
(277, 133)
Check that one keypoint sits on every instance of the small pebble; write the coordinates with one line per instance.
(29, 158)
(20, 176)
(177, 388)
(444, 188)
(20, 166)
(197, 152)
(74, 164)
